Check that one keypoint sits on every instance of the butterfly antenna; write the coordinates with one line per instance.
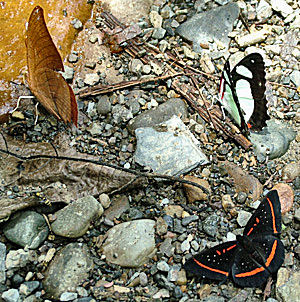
(244, 22)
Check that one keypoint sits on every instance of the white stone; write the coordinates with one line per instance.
(282, 7)
(264, 10)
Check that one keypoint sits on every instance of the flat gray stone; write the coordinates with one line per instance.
(19, 258)
(158, 115)
(2, 262)
(212, 25)
(11, 295)
(169, 149)
(210, 225)
(26, 228)
(74, 219)
(295, 77)
(130, 244)
(273, 141)
(243, 217)
(288, 285)
(70, 267)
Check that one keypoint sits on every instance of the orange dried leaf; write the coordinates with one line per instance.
(44, 62)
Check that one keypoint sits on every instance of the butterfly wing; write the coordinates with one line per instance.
(267, 217)
(248, 78)
(214, 263)
(254, 264)
(228, 98)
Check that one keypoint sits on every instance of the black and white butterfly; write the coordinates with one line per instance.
(242, 93)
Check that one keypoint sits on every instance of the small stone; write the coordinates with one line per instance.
(189, 219)
(185, 245)
(206, 64)
(158, 33)
(143, 279)
(28, 287)
(155, 19)
(163, 266)
(282, 7)
(295, 77)
(103, 105)
(286, 196)
(291, 171)
(241, 198)
(135, 66)
(161, 226)
(287, 285)
(73, 58)
(93, 38)
(181, 278)
(105, 200)
(204, 291)
(264, 10)
(227, 203)
(210, 225)
(297, 215)
(11, 295)
(68, 74)
(243, 218)
(252, 38)
(91, 79)
(77, 24)
(68, 296)
(90, 65)
(146, 69)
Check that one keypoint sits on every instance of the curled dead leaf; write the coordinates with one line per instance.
(44, 62)
(286, 196)
(194, 193)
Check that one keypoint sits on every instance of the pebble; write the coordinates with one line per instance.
(297, 215)
(72, 58)
(103, 105)
(252, 38)
(227, 203)
(287, 285)
(264, 10)
(282, 7)
(286, 196)
(2, 263)
(91, 79)
(135, 66)
(74, 219)
(104, 200)
(210, 225)
(163, 266)
(189, 219)
(160, 150)
(77, 24)
(291, 171)
(143, 279)
(70, 267)
(68, 296)
(161, 226)
(28, 287)
(130, 244)
(295, 77)
(68, 74)
(243, 218)
(26, 228)
(11, 295)
(155, 19)
(160, 114)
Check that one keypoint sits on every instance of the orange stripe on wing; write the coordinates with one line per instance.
(260, 269)
(273, 215)
(210, 268)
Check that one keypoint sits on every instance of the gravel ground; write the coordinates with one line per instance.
(131, 245)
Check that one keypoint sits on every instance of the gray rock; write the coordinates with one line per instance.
(187, 220)
(72, 58)
(158, 115)
(163, 266)
(213, 25)
(273, 141)
(243, 218)
(173, 273)
(169, 149)
(288, 285)
(130, 244)
(210, 225)
(121, 114)
(297, 215)
(185, 245)
(295, 77)
(94, 129)
(70, 267)
(74, 219)
(68, 296)
(103, 105)
(26, 229)
(166, 247)
(19, 258)
(264, 10)
(282, 7)
(68, 74)
(155, 19)
(28, 287)
(135, 65)
(143, 279)
(91, 79)
(2, 263)
(11, 295)
(158, 33)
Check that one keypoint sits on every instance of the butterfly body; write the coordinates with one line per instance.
(242, 93)
(252, 257)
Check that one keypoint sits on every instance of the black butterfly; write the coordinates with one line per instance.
(251, 258)
(242, 93)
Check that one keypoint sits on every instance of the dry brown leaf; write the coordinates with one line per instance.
(60, 180)
(194, 193)
(44, 62)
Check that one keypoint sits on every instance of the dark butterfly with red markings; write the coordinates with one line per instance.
(242, 93)
(251, 258)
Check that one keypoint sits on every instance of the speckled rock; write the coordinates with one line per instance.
(27, 228)
(74, 219)
(130, 244)
(70, 267)
(2, 263)
(287, 285)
